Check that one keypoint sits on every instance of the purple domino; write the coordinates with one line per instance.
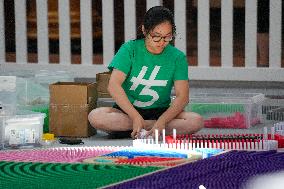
(229, 170)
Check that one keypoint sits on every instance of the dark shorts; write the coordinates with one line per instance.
(147, 114)
(263, 16)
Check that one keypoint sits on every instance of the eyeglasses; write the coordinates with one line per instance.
(158, 38)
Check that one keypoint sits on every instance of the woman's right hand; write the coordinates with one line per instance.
(138, 124)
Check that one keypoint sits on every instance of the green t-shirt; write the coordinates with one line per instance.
(149, 77)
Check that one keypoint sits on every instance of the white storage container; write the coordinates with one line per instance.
(22, 130)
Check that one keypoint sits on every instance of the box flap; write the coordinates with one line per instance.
(102, 81)
(92, 94)
(102, 76)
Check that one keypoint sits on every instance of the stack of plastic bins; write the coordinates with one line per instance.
(7, 100)
(22, 130)
(33, 97)
(36, 95)
(7, 95)
(228, 110)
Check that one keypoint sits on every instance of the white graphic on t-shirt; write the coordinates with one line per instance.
(147, 83)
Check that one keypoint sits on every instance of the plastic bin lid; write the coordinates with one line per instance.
(25, 116)
(29, 113)
(228, 97)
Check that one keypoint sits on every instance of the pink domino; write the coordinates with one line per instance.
(62, 155)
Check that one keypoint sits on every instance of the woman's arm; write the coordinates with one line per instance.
(177, 106)
(118, 94)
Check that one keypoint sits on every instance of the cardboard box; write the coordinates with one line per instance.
(103, 95)
(102, 83)
(70, 104)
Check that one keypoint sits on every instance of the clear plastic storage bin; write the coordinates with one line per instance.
(228, 110)
(30, 93)
(7, 109)
(7, 95)
(21, 130)
(46, 77)
(32, 87)
(276, 114)
(273, 108)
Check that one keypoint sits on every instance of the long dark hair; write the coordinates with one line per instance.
(155, 16)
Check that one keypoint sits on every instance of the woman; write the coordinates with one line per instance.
(143, 74)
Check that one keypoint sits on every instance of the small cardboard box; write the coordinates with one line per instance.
(102, 80)
(70, 104)
(104, 95)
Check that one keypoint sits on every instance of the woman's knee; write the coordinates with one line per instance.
(195, 120)
(199, 121)
(96, 115)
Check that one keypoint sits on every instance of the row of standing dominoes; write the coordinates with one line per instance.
(195, 144)
(190, 143)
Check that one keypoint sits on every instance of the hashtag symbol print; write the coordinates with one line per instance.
(147, 84)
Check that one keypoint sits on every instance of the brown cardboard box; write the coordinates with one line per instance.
(70, 104)
(103, 95)
(102, 82)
